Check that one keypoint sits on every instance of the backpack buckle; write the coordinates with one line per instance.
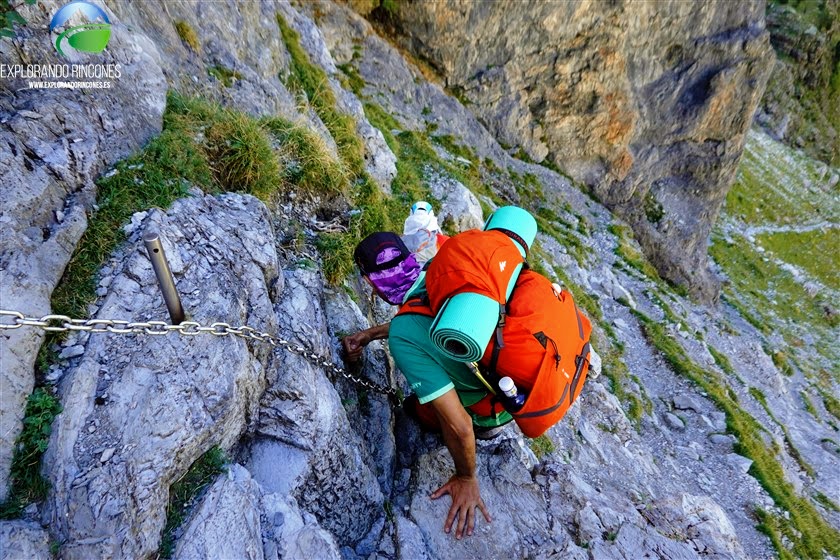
(500, 325)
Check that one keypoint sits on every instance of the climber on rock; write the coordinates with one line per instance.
(421, 239)
(441, 385)
(390, 269)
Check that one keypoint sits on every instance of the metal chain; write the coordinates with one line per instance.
(63, 323)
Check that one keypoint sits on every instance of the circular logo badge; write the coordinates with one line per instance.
(91, 36)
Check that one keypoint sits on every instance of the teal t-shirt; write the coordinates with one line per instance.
(430, 373)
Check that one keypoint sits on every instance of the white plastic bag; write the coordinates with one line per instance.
(420, 232)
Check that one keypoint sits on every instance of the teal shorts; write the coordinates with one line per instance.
(430, 373)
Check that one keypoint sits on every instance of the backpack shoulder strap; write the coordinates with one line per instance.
(417, 305)
(516, 237)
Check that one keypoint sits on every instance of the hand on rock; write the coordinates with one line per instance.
(465, 498)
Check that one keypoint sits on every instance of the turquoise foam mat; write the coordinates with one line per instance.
(517, 220)
(464, 325)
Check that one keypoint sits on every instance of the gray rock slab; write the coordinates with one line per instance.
(53, 144)
(276, 466)
(24, 540)
(739, 462)
(686, 402)
(290, 533)
(410, 542)
(72, 351)
(721, 439)
(369, 412)
(674, 422)
(700, 521)
(460, 209)
(302, 408)
(226, 524)
(506, 486)
(160, 402)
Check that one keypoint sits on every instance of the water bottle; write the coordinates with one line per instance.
(511, 399)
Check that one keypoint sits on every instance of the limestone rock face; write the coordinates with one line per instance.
(302, 410)
(138, 411)
(646, 103)
(320, 468)
(56, 143)
(808, 57)
(506, 485)
(53, 145)
(460, 209)
(700, 520)
(227, 522)
(24, 540)
(244, 38)
(290, 533)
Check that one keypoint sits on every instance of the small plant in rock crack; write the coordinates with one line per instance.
(542, 446)
(610, 535)
(27, 484)
(389, 510)
(188, 35)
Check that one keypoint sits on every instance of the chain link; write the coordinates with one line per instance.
(63, 323)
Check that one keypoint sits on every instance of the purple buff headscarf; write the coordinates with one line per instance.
(394, 282)
(387, 262)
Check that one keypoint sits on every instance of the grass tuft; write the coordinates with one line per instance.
(653, 209)
(770, 525)
(809, 405)
(353, 80)
(832, 405)
(826, 502)
(722, 361)
(307, 164)
(542, 446)
(225, 75)
(188, 35)
(548, 221)
(25, 480)
(242, 155)
(780, 359)
(632, 256)
(313, 81)
(616, 371)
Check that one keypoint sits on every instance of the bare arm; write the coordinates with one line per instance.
(463, 487)
(355, 343)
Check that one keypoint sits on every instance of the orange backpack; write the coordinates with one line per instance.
(541, 340)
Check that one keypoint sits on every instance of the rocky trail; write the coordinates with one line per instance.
(803, 228)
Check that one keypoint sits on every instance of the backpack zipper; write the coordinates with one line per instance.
(557, 356)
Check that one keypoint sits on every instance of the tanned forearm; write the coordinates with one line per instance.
(463, 487)
(379, 331)
(458, 434)
(354, 344)
(462, 449)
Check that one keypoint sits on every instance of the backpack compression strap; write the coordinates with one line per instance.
(498, 344)
(516, 237)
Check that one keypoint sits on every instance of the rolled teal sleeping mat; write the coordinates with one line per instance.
(517, 221)
(464, 325)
